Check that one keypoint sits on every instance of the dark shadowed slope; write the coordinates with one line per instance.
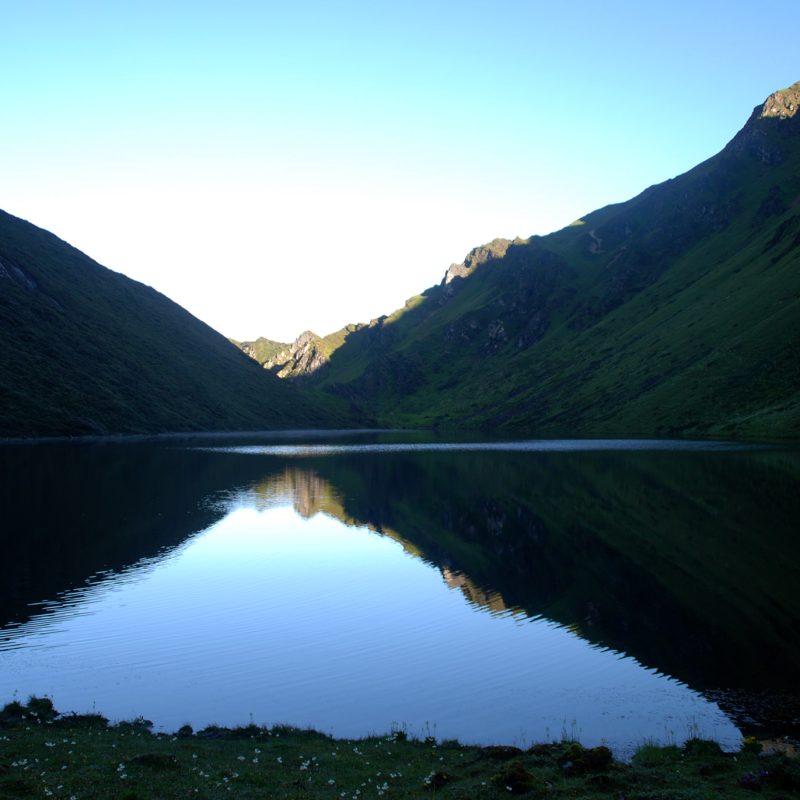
(87, 350)
(677, 311)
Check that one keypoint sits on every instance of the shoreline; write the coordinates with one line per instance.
(447, 435)
(168, 436)
(47, 754)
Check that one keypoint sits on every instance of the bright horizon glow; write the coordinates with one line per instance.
(276, 168)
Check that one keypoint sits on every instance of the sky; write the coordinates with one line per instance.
(282, 166)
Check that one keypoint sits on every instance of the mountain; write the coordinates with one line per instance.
(89, 351)
(677, 311)
(261, 350)
(306, 354)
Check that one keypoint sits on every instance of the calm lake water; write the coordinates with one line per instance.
(495, 592)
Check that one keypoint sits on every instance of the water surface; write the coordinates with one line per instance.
(505, 592)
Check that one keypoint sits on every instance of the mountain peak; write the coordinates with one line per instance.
(771, 128)
(782, 104)
(495, 249)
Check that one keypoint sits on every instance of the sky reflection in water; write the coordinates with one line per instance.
(529, 446)
(274, 616)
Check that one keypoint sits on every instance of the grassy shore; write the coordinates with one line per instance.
(47, 755)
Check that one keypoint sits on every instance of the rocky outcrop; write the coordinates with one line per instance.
(782, 104)
(762, 137)
(261, 350)
(304, 356)
(478, 255)
(612, 322)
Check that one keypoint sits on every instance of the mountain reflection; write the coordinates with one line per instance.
(492, 601)
(311, 494)
(688, 562)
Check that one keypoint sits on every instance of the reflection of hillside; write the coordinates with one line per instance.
(71, 511)
(630, 554)
(311, 494)
(308, 492)
(475, 595)
(689, 562)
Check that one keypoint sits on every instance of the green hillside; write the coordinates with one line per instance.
(677, 311)
(306, 354)
(261, 349)
(89, 351)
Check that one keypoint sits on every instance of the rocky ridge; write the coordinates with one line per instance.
(782, 104)
(674, 311)
(306, 354)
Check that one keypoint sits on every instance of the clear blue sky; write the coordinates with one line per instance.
(277, 166)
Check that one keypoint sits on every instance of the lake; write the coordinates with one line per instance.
(490, 591)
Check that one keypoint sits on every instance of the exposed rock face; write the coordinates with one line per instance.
(522, 314)
(758, 137)
(497, 333)
(495, 249)
(305, 355)
(618, 321)
(572, 326)
(782, 104)
(261, 350)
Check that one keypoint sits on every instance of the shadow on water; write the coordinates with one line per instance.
(72, 512)
(688, 562)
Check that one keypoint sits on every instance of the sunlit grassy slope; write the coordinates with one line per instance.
(677, 311)
(87, 350)
(262, 350)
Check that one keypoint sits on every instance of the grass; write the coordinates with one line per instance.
(89, 351)
(683, 321)
(673, 312)
(262, 350)
(47, 755)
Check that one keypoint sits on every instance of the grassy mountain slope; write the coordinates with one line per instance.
(305, 355)
(87, 350)
(677, 311)
(261, 350)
